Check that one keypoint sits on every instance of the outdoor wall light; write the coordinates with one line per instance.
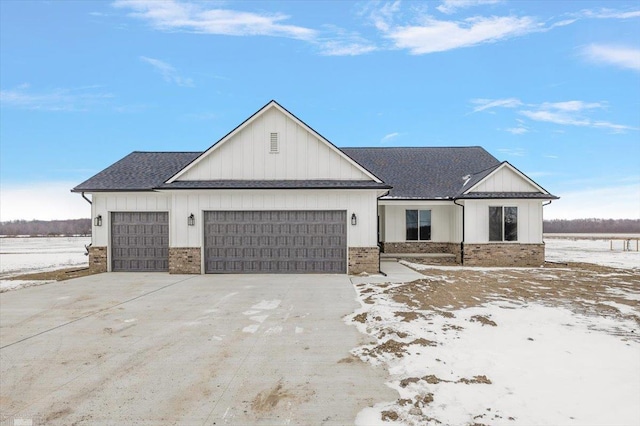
(191, 220)
(354, 219)
(97, 221)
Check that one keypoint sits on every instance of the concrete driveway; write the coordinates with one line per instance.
(125, 348)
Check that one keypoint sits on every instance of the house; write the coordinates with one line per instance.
(275, 196)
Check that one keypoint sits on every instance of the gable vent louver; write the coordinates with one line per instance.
(273, 143)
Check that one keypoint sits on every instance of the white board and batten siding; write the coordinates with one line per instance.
(360, 202)
(505, 180)
(529, 220)
(104, 203)
(247, 155)
(444, 226)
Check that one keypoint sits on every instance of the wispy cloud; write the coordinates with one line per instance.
(567, 113)
(485, 104)
(513, 152)
(619, 56)
(452, 6)
(433, 35)
(389, 137)
(172, 15)
(608, 14)
(168, 72)
(58, 99)
(519, 130)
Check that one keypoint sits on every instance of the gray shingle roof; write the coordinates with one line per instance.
(411, 173)
(138, 171)
(424, 172)
(511, 195)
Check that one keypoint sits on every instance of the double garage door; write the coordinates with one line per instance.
(275, 242)
(238, 241)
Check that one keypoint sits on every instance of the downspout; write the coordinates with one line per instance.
(544, 204)
(462, 243)
(88, 200)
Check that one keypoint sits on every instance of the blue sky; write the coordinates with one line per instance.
(551, 86)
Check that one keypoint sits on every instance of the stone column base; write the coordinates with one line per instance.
(364, 259)
(98, 259)
(184, 260)
(504, 254)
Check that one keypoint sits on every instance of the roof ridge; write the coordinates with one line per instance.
(411, 147)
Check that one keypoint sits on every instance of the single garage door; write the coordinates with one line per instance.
(275, 242)
(140, 241)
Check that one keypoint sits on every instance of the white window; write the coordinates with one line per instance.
(418, 225)
(503, 223)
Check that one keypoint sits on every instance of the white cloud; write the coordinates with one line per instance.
(484, 104)
(567, 113)
(609, 14)
(520, 130)
(513, 152)
(389, 137)
(452, 6)
(168, 72)
(433, 35)
(613, 202)
(59, 99)
(172, 15)
(619, 56)
(26, 201)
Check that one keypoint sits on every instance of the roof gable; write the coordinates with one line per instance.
(504, 178)
(246, 153)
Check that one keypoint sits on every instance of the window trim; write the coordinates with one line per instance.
(418, 223)
(502, 224)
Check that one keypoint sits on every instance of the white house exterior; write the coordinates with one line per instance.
(274, 196)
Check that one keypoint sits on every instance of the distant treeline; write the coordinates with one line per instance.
(46, 228)
(592, 226)
(83, 226)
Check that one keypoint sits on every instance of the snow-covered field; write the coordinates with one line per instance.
(507, 346)
(26, 255)
(592, 249)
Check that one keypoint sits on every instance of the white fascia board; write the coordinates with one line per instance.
(513, 169)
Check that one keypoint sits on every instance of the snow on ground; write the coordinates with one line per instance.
(505, 346)
(592, 250)
(26, 255)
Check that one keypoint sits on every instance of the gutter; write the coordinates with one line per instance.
(462, 243)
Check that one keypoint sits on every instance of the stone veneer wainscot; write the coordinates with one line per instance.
(184, 260)
(364, 259)
(98, 259)
(504, 254)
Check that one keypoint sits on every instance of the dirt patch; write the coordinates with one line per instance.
(409, 315)
(475, 380)
(361, 318)
(583, 288)
(57, 415)
(483, 320)
(267, 400)
(389, 416)
(57, 275)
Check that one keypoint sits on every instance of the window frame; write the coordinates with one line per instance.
(503, 224)
(406, 225)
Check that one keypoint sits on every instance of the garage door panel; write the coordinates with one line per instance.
(275, 241)
(140, 241)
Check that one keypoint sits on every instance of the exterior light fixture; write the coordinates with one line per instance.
(97, 221)
(191, 220)
(354, 219)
